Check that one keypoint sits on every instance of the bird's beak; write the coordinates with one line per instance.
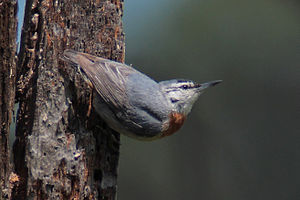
(203, 86)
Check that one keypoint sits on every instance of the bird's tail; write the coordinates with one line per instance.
(79, 58)
(83, 62)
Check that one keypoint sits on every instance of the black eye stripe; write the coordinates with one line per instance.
(174, 100)
(185, 87)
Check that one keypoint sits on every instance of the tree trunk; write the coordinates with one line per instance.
(8, 27)
(63, 149)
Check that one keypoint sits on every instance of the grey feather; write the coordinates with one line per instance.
(124, 90)
(108, 77)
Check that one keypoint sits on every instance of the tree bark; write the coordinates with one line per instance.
(8, 27)
(63, 149)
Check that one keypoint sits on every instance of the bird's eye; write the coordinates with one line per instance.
(185, 87)
(174, 100)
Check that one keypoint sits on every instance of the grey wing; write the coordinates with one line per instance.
(108, 77)
(109, 80)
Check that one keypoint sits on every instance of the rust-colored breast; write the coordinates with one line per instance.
(175, 122)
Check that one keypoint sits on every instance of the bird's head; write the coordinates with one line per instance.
(183, 93)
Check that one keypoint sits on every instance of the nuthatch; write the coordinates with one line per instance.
(133, 104)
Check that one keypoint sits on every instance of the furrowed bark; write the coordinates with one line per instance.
(8, 27)
(63, 149)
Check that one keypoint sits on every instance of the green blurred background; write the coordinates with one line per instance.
(241, 141)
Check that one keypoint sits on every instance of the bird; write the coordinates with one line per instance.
(132, 103)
